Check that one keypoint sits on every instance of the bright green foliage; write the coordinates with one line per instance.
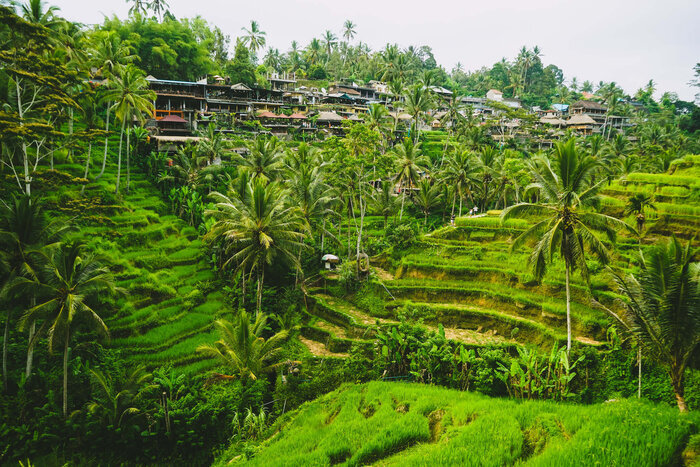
(410, 424)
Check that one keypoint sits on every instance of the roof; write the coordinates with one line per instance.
(354, 118)
(580, 120)
(440, 90)
(298, 116)
(401, 116)
(496, 91)
(240, 87)
(329, 117)
(173, 118)
(266, 114)
(552, 121)
(175, 139)
(589, 105)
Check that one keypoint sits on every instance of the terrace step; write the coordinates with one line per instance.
(319, 349)
(480, 319)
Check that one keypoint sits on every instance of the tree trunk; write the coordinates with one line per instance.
(323, 233)
(119, 157)
(87, 165)
(261, 276)
(639, 383)
(403, 199)
(104, 158)
(679, 389)
(128, 158)
(65, 376)
(243, 286)
(30, 350)
(568, 312)
(5, 338)
(20, 111)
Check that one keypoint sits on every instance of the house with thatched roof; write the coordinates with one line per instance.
(582, 123)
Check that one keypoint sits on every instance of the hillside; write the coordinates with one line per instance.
(408, 424)
(170, 298)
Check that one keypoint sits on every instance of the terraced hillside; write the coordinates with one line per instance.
(466, 279)
(412, 424)
(676, 196)
(171, 299)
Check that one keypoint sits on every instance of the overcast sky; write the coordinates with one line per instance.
(627, 41)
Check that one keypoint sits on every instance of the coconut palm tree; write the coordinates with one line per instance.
(132, 98)
(71, 280)
(349, 30)
(313, 51)
(410, 162)
(427, 198)
(567, 226)
(254, 38)
(109, 54)
(257, 230)
(24, 233)
(487, 159)
(418, 102)
(637, 206)
(138, 7)
(385, 202)
(36, 11)
(460, 173)
(330, 40)
(158, 7)
(115, 397)
(662, 308)
(243, 349)
(265, 158)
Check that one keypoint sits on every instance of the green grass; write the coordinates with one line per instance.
(412, 424)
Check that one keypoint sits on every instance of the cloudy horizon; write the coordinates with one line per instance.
(623, 41)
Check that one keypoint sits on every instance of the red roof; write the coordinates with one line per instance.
(266, 114)
(299, 116)
(173, 118)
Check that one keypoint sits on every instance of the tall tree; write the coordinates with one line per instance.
(243, 349)
(637, 206)
(254, 38)
(132, 98)
(349, 30)
(257, 230)
(662, 308)
(410, 162)
(566, 225)
(71, 280)
(418, 102)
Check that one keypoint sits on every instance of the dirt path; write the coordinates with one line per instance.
(319, 349)
(383, 274)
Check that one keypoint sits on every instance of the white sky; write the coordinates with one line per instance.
(627, 41)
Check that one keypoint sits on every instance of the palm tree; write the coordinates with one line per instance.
(330, 40)
(24, 233)
(132, 98)
(567, 226)
(662, 308)
(254, 38)
(384, 201)
(158, 7)
(460, 173)
(265, 158)
(427, 198)
(35, 11)
(243, 349)
(636, 206)
(108, 56)
(313, 51)
(138, 7)
(349, 30)
(116, 396)
(410, 163)
(417, 102)
(257, 230)
(487, 159)
(71, 279)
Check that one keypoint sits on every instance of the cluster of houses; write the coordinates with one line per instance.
(283, 108)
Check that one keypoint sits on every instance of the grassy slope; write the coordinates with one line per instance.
(411, 424)
(171, 297)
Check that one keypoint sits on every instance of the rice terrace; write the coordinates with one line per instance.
(287, 241)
